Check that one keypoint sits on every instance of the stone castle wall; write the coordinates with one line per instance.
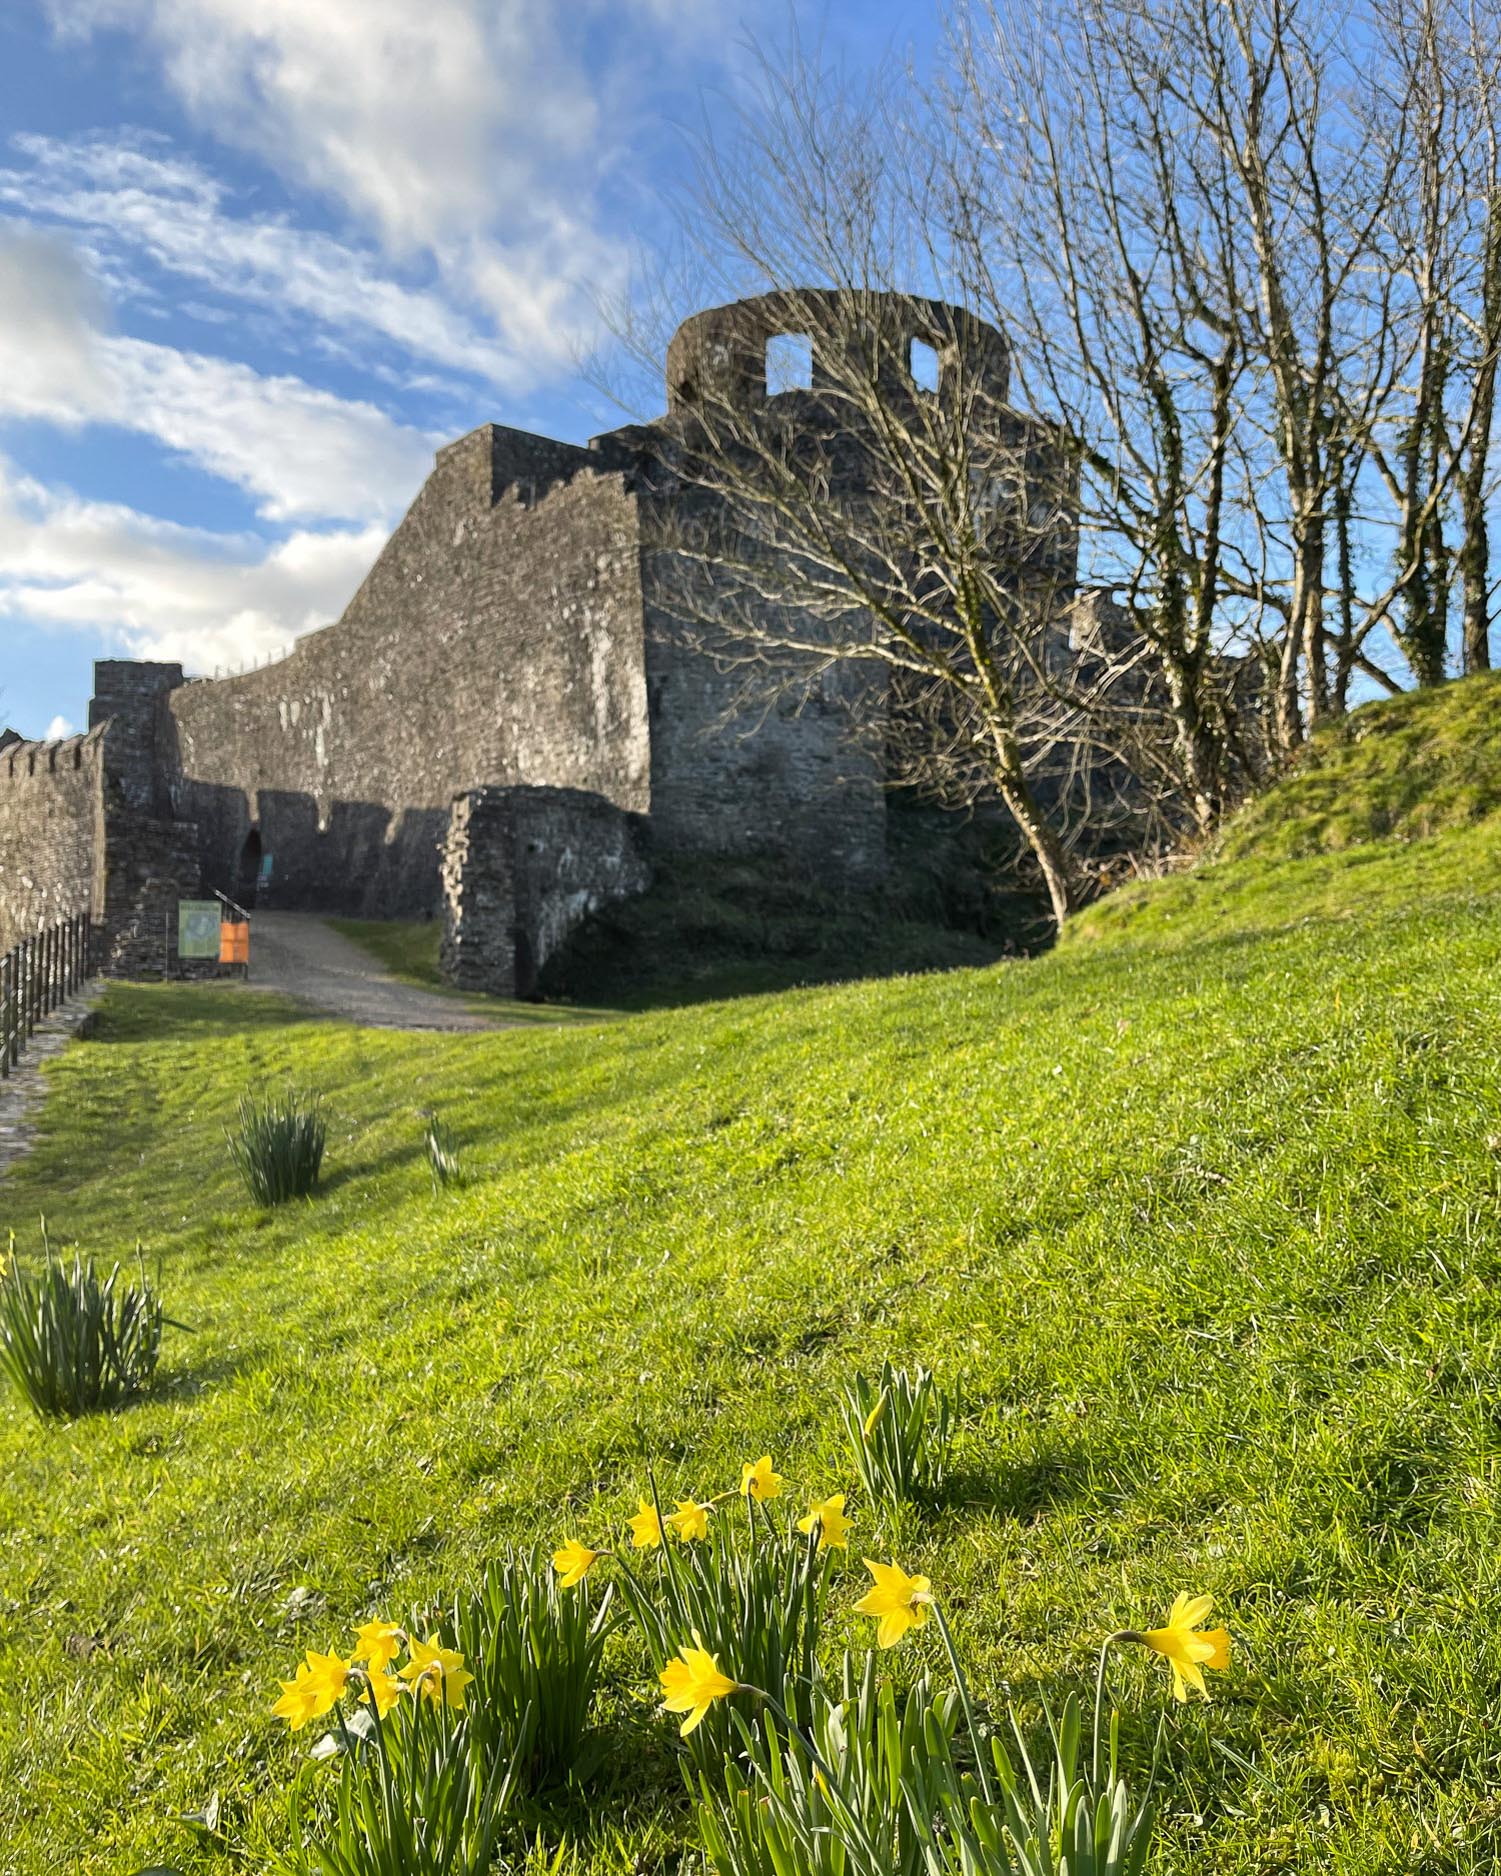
(740, 763)
(51, 832)
(548, 640)
(498, 639)
(75, 837)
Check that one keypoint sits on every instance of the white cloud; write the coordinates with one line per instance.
(300, 451)
(142, 199)
(467, 130)
(57, 729)
(158, 590)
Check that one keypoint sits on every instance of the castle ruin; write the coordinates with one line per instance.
(503, 729)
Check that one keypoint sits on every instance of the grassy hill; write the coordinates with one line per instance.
(1201, 1212)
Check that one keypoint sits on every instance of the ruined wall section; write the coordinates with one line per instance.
(51, 833)
(522, 869)
(498, 639)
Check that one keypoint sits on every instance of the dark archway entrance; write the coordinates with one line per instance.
(248, 876)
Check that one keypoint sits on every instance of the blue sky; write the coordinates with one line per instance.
(259, 257)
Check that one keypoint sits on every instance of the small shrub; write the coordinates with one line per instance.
(73, 1344)
(443, 1158)
(534, 1650)
(279, 1146)
(900, 1431)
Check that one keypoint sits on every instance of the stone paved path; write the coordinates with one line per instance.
(21, 1094)
(296, 954)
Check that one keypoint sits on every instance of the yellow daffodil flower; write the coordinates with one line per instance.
(898, 1600)
(759, 1481)
(833, 1526)
(437, 1673)
(691, 1683)
(328, 1676)
(377, 1644)
(382, 1691)
(1187, 1648)
(299, 1699)
(690, 1521)
(645, 1528)
(573, 1561)
(875, 1414)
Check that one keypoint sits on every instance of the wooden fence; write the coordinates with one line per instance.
(34, 979)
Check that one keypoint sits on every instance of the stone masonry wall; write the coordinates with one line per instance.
(522, 867)
(739, 763)
(498, 639)
(51, 832)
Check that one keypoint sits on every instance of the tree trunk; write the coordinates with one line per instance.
(1474, 554)
(1058, 873)
(1198, 749)
(1474, 564)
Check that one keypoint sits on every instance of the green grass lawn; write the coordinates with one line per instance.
(1201, 1213)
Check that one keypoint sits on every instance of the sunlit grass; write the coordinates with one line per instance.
(1203, 1224)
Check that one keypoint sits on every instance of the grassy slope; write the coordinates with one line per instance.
(1203, 1211)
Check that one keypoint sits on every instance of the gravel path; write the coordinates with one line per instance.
(296, 954)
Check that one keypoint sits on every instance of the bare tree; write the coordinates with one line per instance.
(1243, 258)
(915, 530)
(1099, 223)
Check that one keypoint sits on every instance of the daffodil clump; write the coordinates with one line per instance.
(738, 1578)
(370, 1675)
(796, 1767)
(534, 1640)
(868, 1785)
(416, 1794)
(860, 1783)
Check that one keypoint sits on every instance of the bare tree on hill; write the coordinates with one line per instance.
(1246, 256)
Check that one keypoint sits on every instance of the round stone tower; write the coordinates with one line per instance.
(904, 343)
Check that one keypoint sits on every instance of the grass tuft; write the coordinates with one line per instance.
(72, 1343)
(279, 1145)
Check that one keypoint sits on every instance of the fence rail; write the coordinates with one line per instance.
(35, 977)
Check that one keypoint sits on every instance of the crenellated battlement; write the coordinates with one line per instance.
(22, 761)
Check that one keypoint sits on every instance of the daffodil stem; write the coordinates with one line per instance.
(1120, 1635)
(964, 1700)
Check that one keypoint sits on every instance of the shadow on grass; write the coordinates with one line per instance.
(133, 1013)
(1024, 1489)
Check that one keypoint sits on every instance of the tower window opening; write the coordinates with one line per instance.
(789, 363)
(923, 362)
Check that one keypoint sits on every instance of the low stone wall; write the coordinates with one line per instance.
(522, 867)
